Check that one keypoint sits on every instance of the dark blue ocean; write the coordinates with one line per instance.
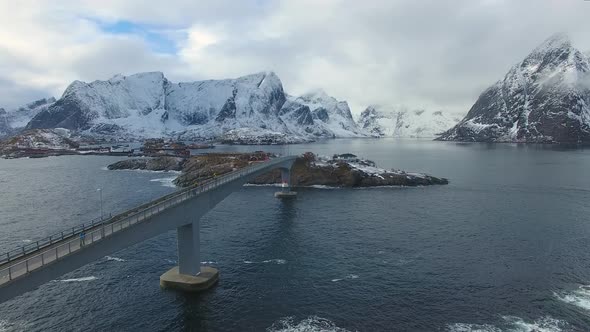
(504, 247)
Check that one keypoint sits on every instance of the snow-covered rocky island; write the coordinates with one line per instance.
(344, 170)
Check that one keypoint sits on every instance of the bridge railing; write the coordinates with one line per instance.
(64, 243)
(48, 241)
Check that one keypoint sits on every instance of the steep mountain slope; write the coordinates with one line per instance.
(544, 98)
(389, 121)
(148, 105)
(4, 125)
(319, 114)
(13, 121)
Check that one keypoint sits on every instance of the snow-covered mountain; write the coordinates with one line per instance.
(12, 121)
(390, 121)
(544, 98)
(148, 105)
(319, 114)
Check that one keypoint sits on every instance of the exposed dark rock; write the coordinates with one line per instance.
(150, 164)
(297, 113)
(543, 99)
(321, 114)
(228, 111)
(307, 170)
(67, 113)
(339, 173)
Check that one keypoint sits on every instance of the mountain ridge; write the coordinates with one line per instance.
(149, 105)
(544, 98)
(401, 121)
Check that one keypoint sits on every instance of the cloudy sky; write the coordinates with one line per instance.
(436, 54)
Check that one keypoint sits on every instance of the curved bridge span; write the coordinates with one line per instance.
(30, 266)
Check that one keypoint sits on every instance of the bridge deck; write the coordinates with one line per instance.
(18, 263)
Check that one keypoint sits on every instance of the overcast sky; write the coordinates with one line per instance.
(435, 54)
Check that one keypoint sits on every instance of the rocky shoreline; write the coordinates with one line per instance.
(345, 170)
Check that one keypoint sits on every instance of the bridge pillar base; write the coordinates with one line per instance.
(188, 283)
(285, 185)
(286, 194)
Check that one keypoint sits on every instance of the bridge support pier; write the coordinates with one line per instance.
(189, 275)
(285, 185)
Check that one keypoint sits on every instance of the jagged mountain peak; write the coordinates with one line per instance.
(543, 98)
(317, 94)
(13, 120)
(318, 97)
(147, 76)
(560, 40)
(553, 56)
(39, 102)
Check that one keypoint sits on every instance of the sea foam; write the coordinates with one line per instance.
(116, 259)
(309, 324)
(79, 279)
(513, 324)
(579, 297)
(166, 182)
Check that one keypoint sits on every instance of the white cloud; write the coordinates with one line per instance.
(438, 54)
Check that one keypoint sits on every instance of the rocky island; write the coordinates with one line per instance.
(344, 170)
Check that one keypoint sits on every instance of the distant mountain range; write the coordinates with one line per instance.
(400, 121)
(543, 98)
(149, 105)
(250, 108)
(13, 121)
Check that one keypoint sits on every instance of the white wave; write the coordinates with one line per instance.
(170, 261)
(579, 297)
(279, 261)
(27, 241)
(116, 259)
(402, 262)
(6, 326)
(543, 324)
(166, 182)
(350, 276)
(462, 327)
(79, 279)
(513, 324)
(209, 262)
(321, 186)
(309, 324)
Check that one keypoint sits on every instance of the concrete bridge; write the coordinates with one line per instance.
(32, 265)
